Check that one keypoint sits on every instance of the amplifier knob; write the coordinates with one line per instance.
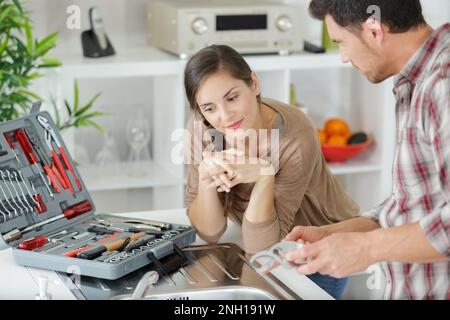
(284, 23)
(199, 26)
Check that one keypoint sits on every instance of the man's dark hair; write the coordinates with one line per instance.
(399, 15)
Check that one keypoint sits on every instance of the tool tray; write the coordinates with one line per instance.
(47, 215)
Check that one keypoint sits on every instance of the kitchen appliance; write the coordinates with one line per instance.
(183, 27)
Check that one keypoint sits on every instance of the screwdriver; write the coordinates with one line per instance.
(69, 213)
(32, 243)
(73, 253)
(37, 242)
(95, 252)
(28, 150)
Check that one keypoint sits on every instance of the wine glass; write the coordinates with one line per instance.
(138, 136)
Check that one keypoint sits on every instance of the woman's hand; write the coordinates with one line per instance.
(239, 169)
(215, 170)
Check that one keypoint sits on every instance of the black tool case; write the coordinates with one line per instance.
(47, 215)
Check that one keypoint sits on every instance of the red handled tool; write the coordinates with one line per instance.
(11, 145)
(28, 150)
(69, 213)
(48, 166)
(74, 253)
(32, 243)
(50, 134)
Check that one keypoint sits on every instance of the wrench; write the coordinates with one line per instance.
(15, 190)
(7, 200)
(2, 174)
(23, 194)
(28, 190)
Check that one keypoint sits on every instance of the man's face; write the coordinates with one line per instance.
(360, 50)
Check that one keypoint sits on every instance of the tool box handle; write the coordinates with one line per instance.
(170, 263)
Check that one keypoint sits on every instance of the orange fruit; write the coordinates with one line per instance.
(337, 126)
(337, 140)
(322, 136)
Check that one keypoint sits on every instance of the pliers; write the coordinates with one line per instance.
(48, 166)
(48, 136)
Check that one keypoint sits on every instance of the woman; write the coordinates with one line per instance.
(269, 184)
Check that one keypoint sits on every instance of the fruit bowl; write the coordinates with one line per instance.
(343, 153)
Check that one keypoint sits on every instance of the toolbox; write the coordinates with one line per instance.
(47, 215)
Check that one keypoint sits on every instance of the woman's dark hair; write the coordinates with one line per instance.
(210, 60)
(399, 15)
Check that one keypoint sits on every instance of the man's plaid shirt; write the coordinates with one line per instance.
(421, 169)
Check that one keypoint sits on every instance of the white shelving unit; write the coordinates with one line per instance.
(149, 77)
(142, 76)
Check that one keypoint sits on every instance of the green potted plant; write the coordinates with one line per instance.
(77, 116)
(22, 58)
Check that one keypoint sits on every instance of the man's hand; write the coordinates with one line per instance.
(337, 255)
(307, 234)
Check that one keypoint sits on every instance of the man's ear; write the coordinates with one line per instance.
(256, 84)
(376, 28)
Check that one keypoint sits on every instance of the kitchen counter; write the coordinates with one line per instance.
(17, 282)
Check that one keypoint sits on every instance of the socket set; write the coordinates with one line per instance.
(48, 217)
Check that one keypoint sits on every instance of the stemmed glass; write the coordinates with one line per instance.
(138, 136)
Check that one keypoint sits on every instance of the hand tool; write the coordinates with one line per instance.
(18, 197)
(102, 228)
(28, 150)
(48, 166)
(41, 242)
(140, 242)
(81, 235)
(159, 226)
(48, 142)
(63, 244)
(33, 198)
(49, 131)
(9, 204)
(119, 245)
(11, 196)
(74, 253)
(11, 145)
(14, 174)
(69, 213)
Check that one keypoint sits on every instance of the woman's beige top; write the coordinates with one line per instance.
(306, 193)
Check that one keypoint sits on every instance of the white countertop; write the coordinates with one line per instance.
(17, 282)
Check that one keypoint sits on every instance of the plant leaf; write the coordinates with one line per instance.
(88, 105)
(4, 14)
(17, 3)
(30, 93)
(94, 114)
(76, 93)
(49, 62)
(45, 45)
(68, 108)
(29, 37)
(84, 122)
(4, 44)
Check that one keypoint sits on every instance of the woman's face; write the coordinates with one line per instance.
(229, 104)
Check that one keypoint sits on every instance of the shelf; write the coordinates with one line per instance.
(354, 167)
(116, 177)
(150, 61)
(130, 62)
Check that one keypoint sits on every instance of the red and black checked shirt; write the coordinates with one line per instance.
(421, 169)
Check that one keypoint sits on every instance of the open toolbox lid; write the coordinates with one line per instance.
(41, 190)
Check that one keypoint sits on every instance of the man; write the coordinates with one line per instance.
(408, 234)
